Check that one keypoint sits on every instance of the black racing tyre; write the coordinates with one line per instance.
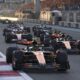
(7, 39)
(78, 45)
(17, 60)
(62, 59)
(9, 53)
(61, 56)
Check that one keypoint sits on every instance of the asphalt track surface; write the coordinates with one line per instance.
(72, 74)
(74, 32)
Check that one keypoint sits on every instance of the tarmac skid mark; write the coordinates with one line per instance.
(6, 72)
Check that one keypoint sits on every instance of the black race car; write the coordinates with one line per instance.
(37, 58)
(15, 33)
(12, 27)
(15, 27)
(71, 46)
(17, 37)
(41, 29)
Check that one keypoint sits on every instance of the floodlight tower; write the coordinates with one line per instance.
(37, 8)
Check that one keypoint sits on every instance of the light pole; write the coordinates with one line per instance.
(37, 7)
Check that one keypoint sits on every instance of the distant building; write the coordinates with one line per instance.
(62, 4)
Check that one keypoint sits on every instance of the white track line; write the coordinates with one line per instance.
(25, 76)
(5, 68)
(3, 57)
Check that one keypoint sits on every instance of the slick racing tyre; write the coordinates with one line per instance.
(7, 39)
(62, 59)
(17, 60)
(9, 53)
(78, 45)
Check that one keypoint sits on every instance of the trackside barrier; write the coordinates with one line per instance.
(61, 23)
(69, 24)
(34, 21)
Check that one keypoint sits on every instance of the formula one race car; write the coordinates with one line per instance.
(72, 47)
(12, 27)
(40, 29)
(37, 58)
(18, 36)
(15, 28)
(14, 32)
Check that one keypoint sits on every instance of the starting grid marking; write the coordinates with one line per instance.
(6, 72)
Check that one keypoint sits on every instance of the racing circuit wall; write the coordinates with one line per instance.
(34, 21)
(71, 19)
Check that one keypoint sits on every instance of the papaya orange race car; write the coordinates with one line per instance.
(37, 58)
